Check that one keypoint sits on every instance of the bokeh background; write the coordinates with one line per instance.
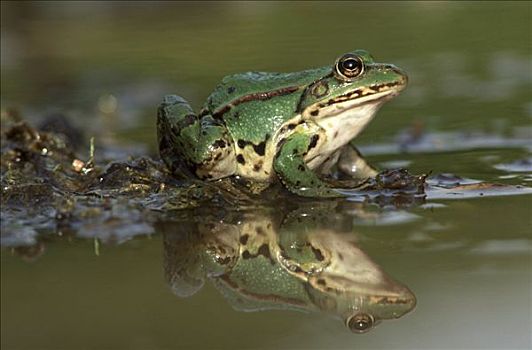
(469, 62)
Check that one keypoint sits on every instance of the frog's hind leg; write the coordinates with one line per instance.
(199, 143)
(174, 115)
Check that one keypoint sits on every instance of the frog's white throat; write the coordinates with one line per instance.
(345, 120)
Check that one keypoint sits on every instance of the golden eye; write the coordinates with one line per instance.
(360, 323)
(349, 66)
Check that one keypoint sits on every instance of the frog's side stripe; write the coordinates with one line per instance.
(264, 297)
(365, 91)
(372, 89)
(256, 96)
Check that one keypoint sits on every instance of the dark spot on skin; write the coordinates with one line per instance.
(241, 143)
(244, 239)
(298, 183)
(291, 126)
(218, 156)
(297, 269)
(265, 251)
(279, 147)
(321, 281)
(301, 167)
(318, 254)
(314, 112)
(240, 159)
(231, 89)
(294, 151)
(257, 166)
(188, 120)
(340, 256)
(224, 261)
(313, 142)
(260, 148)
(260, 231)
(335, 134)
(219, 143)
(204, 133)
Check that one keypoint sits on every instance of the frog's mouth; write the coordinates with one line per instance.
(374, 94)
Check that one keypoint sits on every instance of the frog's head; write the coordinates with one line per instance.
(349, 95)
(365, 303)
(375, 308)
(353, 287)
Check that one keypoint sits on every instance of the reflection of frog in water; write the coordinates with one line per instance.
(259, 263)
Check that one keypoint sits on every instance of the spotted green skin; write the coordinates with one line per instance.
(266, 127)
(259, 264)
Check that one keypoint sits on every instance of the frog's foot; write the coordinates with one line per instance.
(353, 164)
(294, 173)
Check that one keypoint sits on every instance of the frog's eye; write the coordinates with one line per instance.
(360, 323)
(349, 66)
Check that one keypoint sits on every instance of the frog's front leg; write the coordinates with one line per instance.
(353, 164)
(201, 144)
(290, 166)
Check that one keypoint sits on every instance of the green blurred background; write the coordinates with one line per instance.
(469, 62)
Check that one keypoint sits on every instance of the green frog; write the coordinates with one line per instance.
(261, 260)
(294, 127)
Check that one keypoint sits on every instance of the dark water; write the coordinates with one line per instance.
(468, 261)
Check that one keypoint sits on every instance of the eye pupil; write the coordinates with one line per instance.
(350, 64)
(360, 325)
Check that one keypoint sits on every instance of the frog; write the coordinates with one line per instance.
(269, 259)
(293, 128)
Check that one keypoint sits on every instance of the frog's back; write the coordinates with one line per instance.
(237, 86)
